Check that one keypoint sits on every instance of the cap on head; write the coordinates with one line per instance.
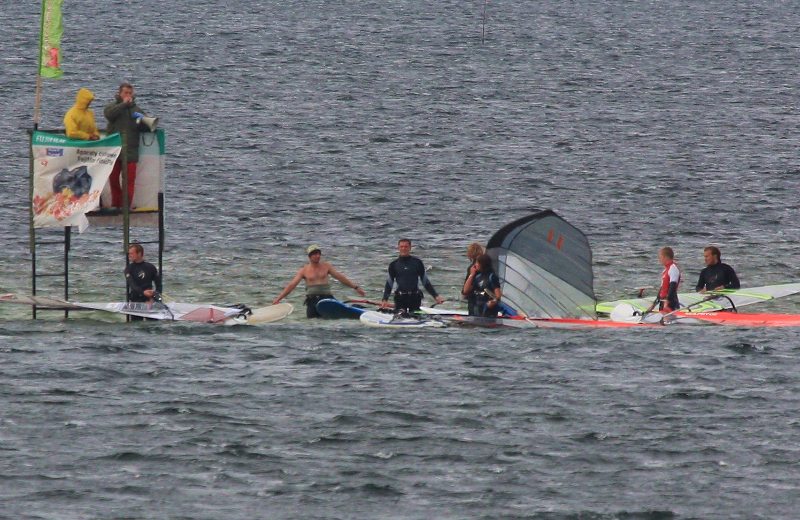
(312, 249)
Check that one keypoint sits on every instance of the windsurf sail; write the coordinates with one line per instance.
(707, 302)
(173, 311)
(545, 267)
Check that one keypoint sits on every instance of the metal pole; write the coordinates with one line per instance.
(67, 246)
(38, 98)
(37, 101)
(31, 229)
(126, 217)
(36, 104)
(483, 29)
(161, 237)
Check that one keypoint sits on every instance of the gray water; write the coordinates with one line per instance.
(353, 124)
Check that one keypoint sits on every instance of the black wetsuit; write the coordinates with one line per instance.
(484, 283)
(311, 302)
(715, 275)
(470, 296)
(139, 277)
(407, 272)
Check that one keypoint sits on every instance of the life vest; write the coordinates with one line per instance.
(670, 273)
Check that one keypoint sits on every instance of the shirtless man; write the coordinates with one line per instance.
(318, 287)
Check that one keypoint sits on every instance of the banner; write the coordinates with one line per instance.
(50, 39)
(69, 176)
(149, 172)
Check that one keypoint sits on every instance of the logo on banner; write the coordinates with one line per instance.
(55, 152)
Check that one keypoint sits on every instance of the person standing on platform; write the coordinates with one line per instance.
(124, 116)
(79, 120)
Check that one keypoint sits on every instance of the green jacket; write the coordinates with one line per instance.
(120, 119)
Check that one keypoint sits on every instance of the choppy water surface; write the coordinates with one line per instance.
(352, 125)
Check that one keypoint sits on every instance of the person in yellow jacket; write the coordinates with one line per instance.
(79, 120)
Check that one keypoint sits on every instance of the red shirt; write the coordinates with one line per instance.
(670, 274)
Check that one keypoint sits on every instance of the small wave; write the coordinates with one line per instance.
(308, 361)
(239, 450)
(382, 490)
(348, 420)
(592, 437)
(336, 438)
(690, 395)
(748, 348)
(402, 416)
(129, 456)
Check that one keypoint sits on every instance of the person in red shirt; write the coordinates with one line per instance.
(670, 279)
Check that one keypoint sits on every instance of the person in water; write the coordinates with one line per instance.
(667, 298)
(79, 120)
(316, 273)
(484, 287)
(142, 278)
(407, 272)
(473, 252)
(716, 275)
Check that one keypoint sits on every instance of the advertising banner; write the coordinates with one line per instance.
(69, 176)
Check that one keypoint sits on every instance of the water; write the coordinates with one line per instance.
(355, 124)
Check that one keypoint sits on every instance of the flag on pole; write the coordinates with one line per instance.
(50, 40)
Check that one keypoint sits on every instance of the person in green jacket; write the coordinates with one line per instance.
(124, 116)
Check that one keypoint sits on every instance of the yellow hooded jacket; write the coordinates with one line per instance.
(79, 120)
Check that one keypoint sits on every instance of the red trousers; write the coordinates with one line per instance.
(114, 181)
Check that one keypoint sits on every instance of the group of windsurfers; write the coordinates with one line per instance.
(407, 273)
(715, 276)
(481, 285)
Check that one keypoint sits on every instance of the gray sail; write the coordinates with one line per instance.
(545, 267)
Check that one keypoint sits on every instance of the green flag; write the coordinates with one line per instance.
(50, 40)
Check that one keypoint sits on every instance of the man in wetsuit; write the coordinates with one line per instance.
(318, 286)
(407, 272)
(716, 275)
(142, 278)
